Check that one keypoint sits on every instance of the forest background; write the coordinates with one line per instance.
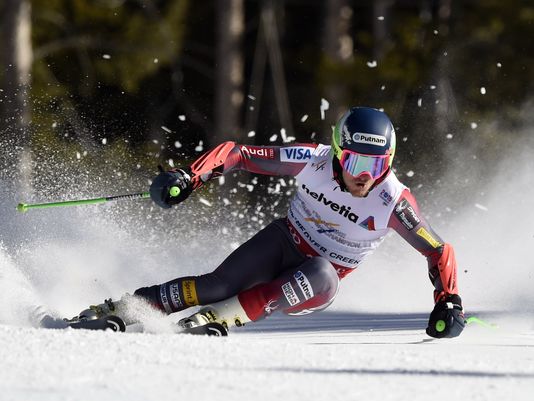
(95, 94)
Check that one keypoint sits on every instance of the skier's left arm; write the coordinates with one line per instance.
(447, 319)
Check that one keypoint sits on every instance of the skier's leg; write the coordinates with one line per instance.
(259, 260)
(309, 287)
(306, 288)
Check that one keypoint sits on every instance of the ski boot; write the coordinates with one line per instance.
(228, 313)
(109, 308)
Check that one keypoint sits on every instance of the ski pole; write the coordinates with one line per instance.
(24, 207)
(483, 323)
(441, 325)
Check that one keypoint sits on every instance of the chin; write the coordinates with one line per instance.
(359, 194)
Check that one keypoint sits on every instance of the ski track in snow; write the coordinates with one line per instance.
(333, 356)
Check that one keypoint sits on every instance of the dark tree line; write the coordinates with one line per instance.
(160, 77)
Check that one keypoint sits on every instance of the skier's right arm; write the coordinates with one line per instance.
(227, 157)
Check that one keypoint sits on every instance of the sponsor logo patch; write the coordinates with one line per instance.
(258, 151)
(320, 165)
(369, 139)
(295, 154)
(368, 223)
(175, 295)
(190, 292)
(322, 230)
(406, 214)
(270, 306)
(290, 294)
(387, 198)
(164, 299)
(304, 284)
(336, 207)
(428, 237)
(344, 259)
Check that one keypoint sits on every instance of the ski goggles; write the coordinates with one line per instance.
(357, 163)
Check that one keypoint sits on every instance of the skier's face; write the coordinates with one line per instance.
(358, 186)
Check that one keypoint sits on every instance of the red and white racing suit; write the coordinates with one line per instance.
(295, 264)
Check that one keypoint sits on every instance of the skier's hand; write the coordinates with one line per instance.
(447, 318)
(171, 187)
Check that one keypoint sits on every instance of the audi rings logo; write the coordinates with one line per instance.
(295, 235)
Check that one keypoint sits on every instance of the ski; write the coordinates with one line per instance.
(111, 322)
(116, 324)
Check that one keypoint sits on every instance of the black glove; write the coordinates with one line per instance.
(447, 318)
(171, 187)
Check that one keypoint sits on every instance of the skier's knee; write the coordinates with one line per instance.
(320, 273)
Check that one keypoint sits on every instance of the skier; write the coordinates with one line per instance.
(348, 199)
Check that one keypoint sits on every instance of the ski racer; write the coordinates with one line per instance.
(348, 198)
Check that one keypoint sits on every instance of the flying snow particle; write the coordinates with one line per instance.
(380, 18)
(221, 180)
(251, 134)
(156, 61)
(449, 136)
(303, 118)
(106, 56)
(481, 207)
(54, 124)
(177, 145)
(372, 64)
(78, 155)
(104, 141)
(171, 162)
(181, 117)
(474, 125)
(273, 138)
(324, 106)
(166, 129)
(499, 65)
(432, 87)
(204, 201)
(419, 102)
(251, 97)
(283, 135)
(404, 139)
(483, 90)
(200, 146)
(410, 173)
(383, 87)
(435, 32)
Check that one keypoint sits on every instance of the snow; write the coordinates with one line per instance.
(333, 356)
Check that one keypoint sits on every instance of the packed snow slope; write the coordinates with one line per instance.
(370, 344)
(329, 356)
